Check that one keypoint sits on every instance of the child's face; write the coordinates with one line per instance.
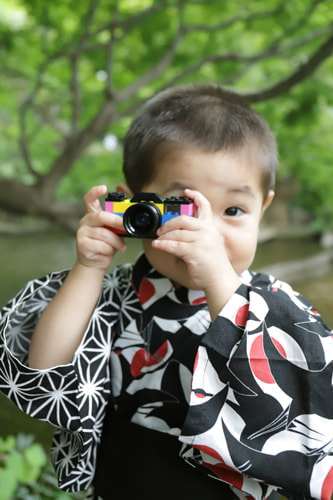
(232, 185)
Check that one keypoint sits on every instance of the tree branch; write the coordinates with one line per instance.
(235, 19)
(156, 71)
(291, 30)
(22, 110)
(109, 57)
(274, 49)
(306, 69)
(75, 146)
(291, 46)
(75, 93)
(26, 156)
(322, 53)
(87, 22)
(128, 23)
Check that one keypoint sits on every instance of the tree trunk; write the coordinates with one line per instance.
(22, 199)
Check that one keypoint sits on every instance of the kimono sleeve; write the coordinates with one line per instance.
(71, 397)
(261, 409)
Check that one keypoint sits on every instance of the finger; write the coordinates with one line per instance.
(103, 219)
(112, 221)
(203, 206)
(98, 241)
(180, 237)
(100, 246)
(100, 226)
(91, 199)
(105, 235)
(176, 248)
(182, 222)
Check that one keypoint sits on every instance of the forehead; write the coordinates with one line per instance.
(191, 167)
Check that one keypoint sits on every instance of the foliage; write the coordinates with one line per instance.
(306, 150)
(103, 167)
(72, 73)
(19, 464)
(25, 473)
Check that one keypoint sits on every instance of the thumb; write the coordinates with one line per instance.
(91, 199)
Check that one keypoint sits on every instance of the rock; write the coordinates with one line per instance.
(304, 269)
(327, 240)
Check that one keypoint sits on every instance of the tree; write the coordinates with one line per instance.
(73, 71)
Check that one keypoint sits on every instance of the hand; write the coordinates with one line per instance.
(96, 244)
(200, 244)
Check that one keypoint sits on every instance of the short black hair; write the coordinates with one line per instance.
(206, 117)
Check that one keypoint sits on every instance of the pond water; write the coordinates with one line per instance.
(26, 257)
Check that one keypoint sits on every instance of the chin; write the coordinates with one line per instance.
(164, 262)
(175, 270)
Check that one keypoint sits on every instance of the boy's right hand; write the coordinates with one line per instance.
(95, 243)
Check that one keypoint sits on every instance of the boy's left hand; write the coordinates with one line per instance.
(200, 244)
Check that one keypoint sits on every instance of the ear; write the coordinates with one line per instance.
(268, 201)
(122, 187)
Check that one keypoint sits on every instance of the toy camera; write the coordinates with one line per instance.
(146, 212)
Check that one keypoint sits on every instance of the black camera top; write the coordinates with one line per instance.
(152, 197)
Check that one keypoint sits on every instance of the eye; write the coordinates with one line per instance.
(234, 211)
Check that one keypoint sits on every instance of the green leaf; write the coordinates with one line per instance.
(7, 444)
(8, 482)
(35, 455)
(34, 460)
(15, 463)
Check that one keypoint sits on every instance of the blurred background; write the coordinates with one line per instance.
(73, 74)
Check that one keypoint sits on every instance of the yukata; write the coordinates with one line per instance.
(248, 397)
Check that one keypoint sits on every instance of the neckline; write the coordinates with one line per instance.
(150, 285)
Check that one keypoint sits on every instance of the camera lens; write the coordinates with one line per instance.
(142, 220)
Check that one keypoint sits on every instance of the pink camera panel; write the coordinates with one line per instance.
(187, 209)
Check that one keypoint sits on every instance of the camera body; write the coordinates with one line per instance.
(146, 212)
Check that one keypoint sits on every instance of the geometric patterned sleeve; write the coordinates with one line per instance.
(261, 409)
(71, 397)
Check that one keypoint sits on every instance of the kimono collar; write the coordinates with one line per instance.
(149, 286)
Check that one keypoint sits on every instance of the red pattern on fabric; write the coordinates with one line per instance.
(200, 300)
(143, 358)
(210, 451)
(226, 474)
(200, 395)
(223, 471)
(259, 362)
(327, 489)
(147, 291)
(242, 314)
(196, 361)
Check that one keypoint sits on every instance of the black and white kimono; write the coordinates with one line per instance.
(250, 395)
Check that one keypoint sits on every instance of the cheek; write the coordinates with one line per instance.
(242, 258)
(241, 248)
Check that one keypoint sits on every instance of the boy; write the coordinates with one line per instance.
(187, 346)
